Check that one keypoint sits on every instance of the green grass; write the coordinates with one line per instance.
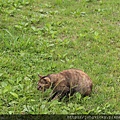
(37, 36)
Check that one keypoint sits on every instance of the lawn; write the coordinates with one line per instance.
(43, 37)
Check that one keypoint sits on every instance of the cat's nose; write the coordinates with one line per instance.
(39, 88)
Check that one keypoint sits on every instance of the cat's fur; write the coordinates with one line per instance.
(66, 83)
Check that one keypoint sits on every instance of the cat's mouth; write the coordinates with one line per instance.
(40, 88)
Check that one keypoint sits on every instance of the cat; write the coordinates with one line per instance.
(66, 83)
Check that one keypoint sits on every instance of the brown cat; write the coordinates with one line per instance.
(66, 83)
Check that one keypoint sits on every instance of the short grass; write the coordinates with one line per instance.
(40, 36)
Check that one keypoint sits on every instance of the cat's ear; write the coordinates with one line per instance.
(47, 79)
(40, 76)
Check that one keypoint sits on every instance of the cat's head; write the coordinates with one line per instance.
(44, 83)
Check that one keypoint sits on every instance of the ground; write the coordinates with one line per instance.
(41, 37)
